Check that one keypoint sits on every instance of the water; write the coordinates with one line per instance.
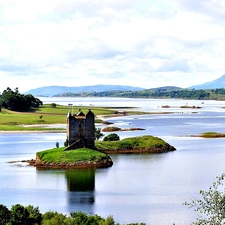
(147, 188)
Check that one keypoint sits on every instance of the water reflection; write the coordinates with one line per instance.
(80, 180)
(71, 190)
(80, 189)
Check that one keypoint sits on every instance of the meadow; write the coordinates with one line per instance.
(46, 114)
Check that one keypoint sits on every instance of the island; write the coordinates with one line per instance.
(210, 135)
(57, 158)
(141, 144)
(112, 129)
(81, 150)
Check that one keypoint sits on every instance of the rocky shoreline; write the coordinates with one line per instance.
(39, 164)
(103, 163)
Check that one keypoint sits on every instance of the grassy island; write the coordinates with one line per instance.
(112, 129)
(143, 144)
(89, 158)
(79, 158)
(210, 135)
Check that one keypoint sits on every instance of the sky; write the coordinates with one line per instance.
(140, 43)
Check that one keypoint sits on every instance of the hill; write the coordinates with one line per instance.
(50, 91)
(218, 83)
(166, 88)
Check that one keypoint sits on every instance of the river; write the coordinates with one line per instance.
(148, 188)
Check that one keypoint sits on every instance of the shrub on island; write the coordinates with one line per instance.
(112, 137)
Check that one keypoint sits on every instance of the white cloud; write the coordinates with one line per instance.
(139, 43)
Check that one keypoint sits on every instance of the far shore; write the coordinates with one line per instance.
(103, 119)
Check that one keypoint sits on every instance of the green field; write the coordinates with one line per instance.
(15, 121)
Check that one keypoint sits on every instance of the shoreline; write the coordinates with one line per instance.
(101, 117)
(31, 131)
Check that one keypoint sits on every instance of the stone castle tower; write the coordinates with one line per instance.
(81, 130)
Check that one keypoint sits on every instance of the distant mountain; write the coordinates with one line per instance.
(218, 83)
(50, 91)
(166, 88)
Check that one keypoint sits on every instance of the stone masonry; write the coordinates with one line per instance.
(81, 130)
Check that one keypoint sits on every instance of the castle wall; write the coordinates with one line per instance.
(81, 130)
(90, 130)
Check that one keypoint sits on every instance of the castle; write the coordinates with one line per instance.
(80, 130)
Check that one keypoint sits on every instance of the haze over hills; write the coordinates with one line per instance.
(166, 88)
(218, 83)
(50, 91)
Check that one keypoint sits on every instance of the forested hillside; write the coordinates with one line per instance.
(210, 94)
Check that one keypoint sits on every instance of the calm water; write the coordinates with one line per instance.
(138, 188)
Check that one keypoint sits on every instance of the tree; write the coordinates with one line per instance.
(79, 217)
(53, 105)
(66, 142)
(19, 215)
(13, 100)
(112, 137)
(211, 206)
(35, 217)
(53, 218)
(4, 215)
(98, 133)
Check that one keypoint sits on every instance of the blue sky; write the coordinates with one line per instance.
(144, 43)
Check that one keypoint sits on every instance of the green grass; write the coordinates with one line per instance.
(11, 120)
(142, 142)
(21, 128)
(46, 114)
(58, 155)
(212, 135)
(63, 110)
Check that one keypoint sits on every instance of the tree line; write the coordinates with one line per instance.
(13, 100)
(30, 215)
(179, 93)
